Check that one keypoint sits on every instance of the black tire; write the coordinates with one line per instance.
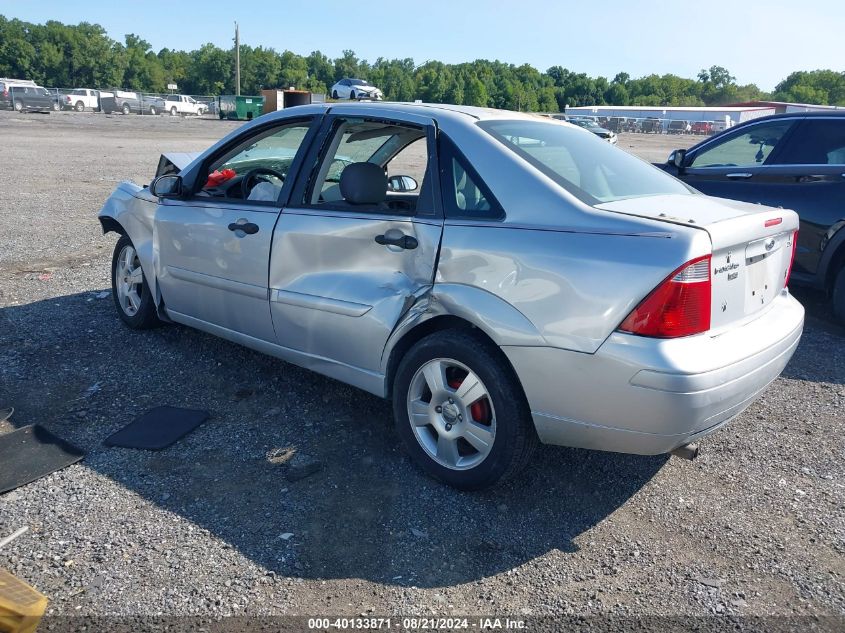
(334, 94)
(126, 109)
(56, 106)
(18, 105)
(79, 106)
(839, 296)
(352, 95)
(145, 317)
(515, 438)
(173, 111)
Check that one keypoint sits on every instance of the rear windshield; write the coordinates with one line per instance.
(586, 166)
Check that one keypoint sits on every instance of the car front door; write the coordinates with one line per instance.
(345, 269)
(736, 165)
(212, 247)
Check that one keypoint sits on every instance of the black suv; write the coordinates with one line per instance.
(795, 161)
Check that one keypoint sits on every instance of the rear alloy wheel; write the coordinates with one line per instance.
(173, 111)
(153, 110)
(56, 106)
(130, 291)
(125, 108)
(79, 107)
(461, 412)
(839, 297)
(18, 106)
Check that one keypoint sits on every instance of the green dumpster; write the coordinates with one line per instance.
(239, 107)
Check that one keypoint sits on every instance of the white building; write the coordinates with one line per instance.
(726, 115)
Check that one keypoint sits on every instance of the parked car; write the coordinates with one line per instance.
(795, 161)
(554, 288)
(678, 127)
(22, 95)
(355, 89)
(129, 102)
(184, 105)
(80, 98)
(616, 124)
(651, 125)
(592, 126)
(702, 127)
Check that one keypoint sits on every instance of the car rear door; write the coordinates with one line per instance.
(342, 276)
(793, 174)
(212, 248)
(809, 177)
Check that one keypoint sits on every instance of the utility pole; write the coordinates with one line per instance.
(237, 61)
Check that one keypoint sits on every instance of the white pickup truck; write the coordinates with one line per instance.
(80, 99)
(183, 104)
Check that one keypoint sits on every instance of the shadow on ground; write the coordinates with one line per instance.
(69, 364)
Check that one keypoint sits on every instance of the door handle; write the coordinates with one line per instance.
(249, 228)
(740, 174)
(407, 242)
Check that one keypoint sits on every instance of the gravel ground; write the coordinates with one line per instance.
(215, 526)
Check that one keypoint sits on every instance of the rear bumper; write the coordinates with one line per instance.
(648, 396)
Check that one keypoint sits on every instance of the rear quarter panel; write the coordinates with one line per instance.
(575, 287)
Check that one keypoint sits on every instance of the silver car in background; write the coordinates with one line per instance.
(503, 278)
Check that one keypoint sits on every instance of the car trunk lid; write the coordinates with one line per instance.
(752, 247)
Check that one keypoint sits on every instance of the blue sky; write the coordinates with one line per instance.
(759, 41)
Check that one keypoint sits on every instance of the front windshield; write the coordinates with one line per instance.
(587, 167)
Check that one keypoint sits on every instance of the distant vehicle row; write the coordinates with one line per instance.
(24, 95)
(652, 125)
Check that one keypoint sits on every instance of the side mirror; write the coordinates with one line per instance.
(167, 186)
(677, 158)
(402, 184)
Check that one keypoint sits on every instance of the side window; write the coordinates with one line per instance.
(355, 161)
(256, 168)
(465, 196)
(748, 148)
(816, 142)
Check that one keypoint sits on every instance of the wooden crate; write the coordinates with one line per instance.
(21, 606)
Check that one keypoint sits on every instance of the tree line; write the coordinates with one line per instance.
(83, 55)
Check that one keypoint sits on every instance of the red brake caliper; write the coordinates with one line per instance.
(479, 410)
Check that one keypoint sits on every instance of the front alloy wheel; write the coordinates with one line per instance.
(130, 291)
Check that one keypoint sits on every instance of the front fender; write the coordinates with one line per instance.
(132, 208)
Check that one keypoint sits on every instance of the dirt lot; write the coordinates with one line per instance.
(211, 526)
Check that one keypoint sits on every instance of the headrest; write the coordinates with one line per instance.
(363, 183)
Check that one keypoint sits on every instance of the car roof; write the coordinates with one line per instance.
(440, 111)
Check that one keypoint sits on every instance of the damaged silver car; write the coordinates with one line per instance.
(505, 279)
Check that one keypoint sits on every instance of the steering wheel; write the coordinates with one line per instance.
(250, 178)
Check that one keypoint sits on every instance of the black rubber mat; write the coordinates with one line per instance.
(30, 453)
(157, 428)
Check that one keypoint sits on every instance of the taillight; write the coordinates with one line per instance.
(791, 259)
(679, 306)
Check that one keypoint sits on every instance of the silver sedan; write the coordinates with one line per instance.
(505, 279)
